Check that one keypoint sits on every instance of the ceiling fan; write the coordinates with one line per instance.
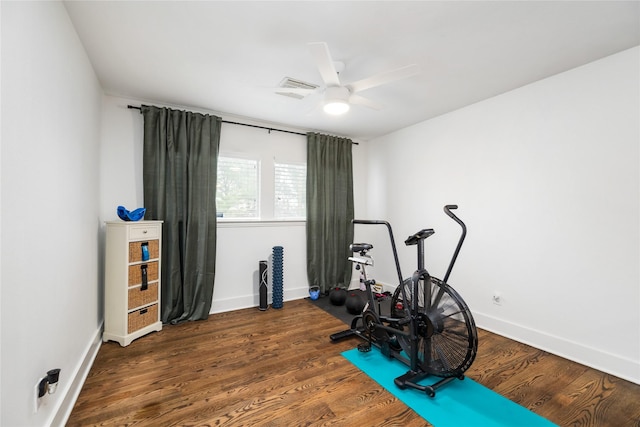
(338, 96)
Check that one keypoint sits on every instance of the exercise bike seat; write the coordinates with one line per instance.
(422, 234)
(360, 247)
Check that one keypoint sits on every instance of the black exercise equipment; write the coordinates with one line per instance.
(338, 296)
(263, 269)
(429, 328)
(355, 302)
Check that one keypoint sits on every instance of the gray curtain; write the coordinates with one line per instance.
(180, 158)
(329, 211)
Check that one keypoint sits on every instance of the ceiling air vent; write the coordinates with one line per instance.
(289, 83)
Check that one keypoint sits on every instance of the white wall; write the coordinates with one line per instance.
(548, 180)
(50, 135)
(240, 245)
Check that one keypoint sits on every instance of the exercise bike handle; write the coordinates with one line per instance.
(447, 210)
(369, 221)
(391, 239)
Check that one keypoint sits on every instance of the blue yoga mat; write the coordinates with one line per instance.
(458, 403)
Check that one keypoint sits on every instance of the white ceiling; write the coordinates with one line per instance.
(224, 56)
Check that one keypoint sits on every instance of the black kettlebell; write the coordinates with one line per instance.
(355, 303)
(338, 296)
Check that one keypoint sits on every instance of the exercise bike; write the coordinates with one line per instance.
(429, 327)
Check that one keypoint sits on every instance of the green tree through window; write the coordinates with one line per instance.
(237, 194)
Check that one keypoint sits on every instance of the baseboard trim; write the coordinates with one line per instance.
(61, 415)
(250, 301)
(609, 363)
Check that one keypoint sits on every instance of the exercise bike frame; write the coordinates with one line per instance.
(373, 321)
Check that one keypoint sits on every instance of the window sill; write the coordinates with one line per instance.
(241, 223)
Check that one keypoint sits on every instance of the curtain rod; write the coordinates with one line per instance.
(133, 107)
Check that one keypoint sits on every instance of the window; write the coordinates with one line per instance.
(261, 176)
(290, 188)
(237, 188)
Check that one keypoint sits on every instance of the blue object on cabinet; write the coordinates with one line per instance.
(135, 215)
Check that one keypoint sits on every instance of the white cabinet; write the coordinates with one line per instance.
(132, 280)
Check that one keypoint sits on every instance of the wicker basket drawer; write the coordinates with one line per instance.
(138, 297)
(135, 250)
(135, 273)
(144, 317)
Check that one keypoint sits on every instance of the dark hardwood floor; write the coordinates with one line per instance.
(279, 368)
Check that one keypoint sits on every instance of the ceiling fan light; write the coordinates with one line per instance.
(336, 107)
(336, 100)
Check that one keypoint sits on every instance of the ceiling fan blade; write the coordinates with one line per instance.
(361, 100)
(383, 78)
(322, 56)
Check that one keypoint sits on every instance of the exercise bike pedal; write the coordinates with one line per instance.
(364, 347)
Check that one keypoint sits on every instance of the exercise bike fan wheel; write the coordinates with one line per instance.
(447, 336)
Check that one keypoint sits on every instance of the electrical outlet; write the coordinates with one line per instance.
(497, 298)
(37, 401)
